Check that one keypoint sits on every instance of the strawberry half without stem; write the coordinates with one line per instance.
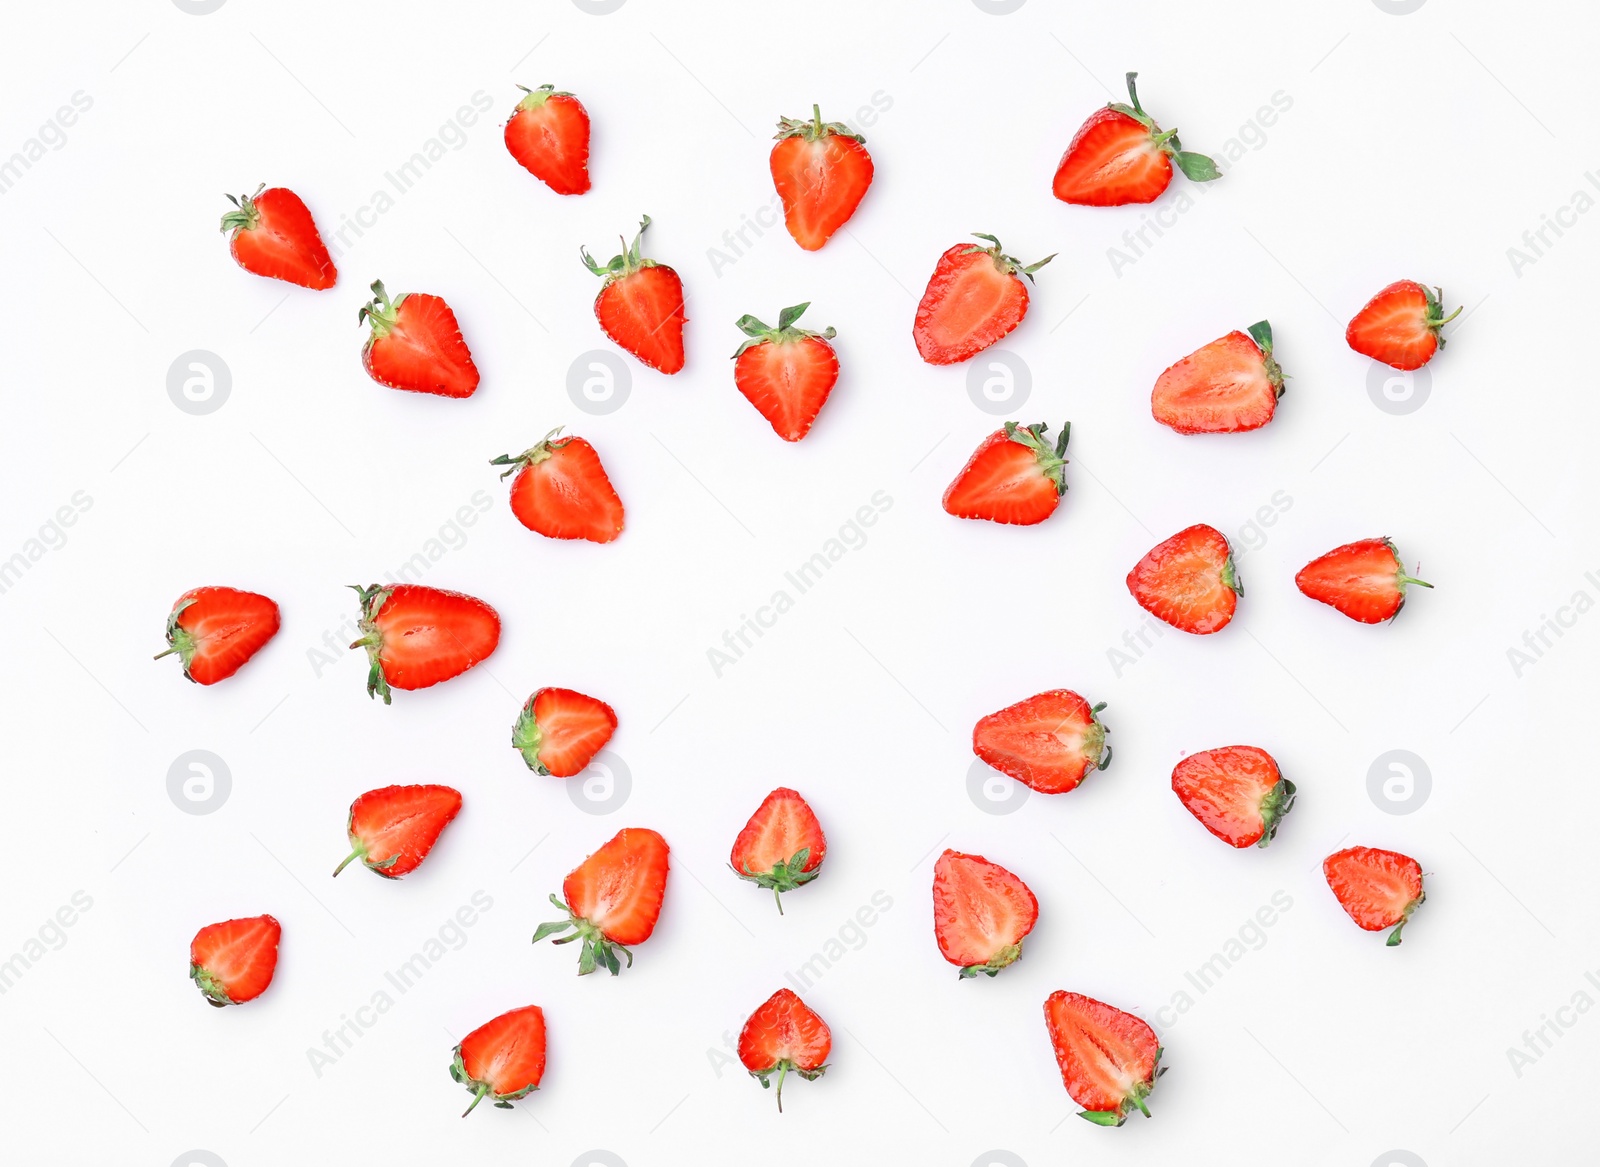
(786, 372)
(1400, 325)
(233, 962)
(549, 135)
(1365, 580)
(502, 1059)
(1189, 581)
(561, 490)
(1048, 742)
(417, 636)
(1014, 477)
(981, 912)
(416, 345)
(1109, 1059)
(1236, 792)
(1377, 889)
(613, 899)
(782, 846)
(275, 236)
(974, 299)
(641, 305)
(559, 731)
(1121, 156)
(784, 1035)
(1227, 387)
(393, 829)
(822, 171)
(215, 630)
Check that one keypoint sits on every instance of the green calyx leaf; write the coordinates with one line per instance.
(531, 456)
(814, 129)
(785, 876)
(1103, 1117)
(373, 599)
(1133, 1101)
(1436, 319)
(537, 97)
(1052, 459)
(1195, 167)
(596, 952)
(1094, 739)
(1278, 802)
(179, 639)
(630, 261)
(244, 216)
(527, 737)
(380, 312)
(1007, 955)
(783, 1069)
(1402, 580)
(1405, 918)
(1261, 333)
(213, 989)
(785, 333)
(1007, 264)
(1230, 573)
(480, 1089)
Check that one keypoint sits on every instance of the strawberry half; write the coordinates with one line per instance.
(981, 912)
(559, 731)
(1109, 1059)
(974, 299)
(561, 490)
(503, 1059)
(417, 636)
(1048, 742)
(783, 1035)
(233, 962)
(1364, 580)
(613, 899)
(822, 171)
(549, 135)
(416, 345)
(1189, 581)
(275, 236)
(1229, 386)
(1236, 792)
(1014, 477)
(215, 630)
(1378, 889)
(782, 846)
(786, 372)
(1121, 156)
(1400, 325)
(393, 829)
(641, 305)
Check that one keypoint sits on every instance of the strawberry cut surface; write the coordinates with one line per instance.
(503, 1059)
(1048, 742)
(417, 636)
(548, 134)
(1189, 581)
(416, 345)
(215, 630)
(821, 171)
(1365, 580)
(1015, 477)
(561, 490)
(1378, 889)
(1401, 325)
(1236, 792)
(1229, 386)
(274, 235)
(1120, 156)
(782, 846)
(981, 912)
(233, 962)
(974, 299)
(784, 1036)
(641, 305)
(613, 899)
(1109, 1060)
(392, 829)
(559, 731)
(786, 372)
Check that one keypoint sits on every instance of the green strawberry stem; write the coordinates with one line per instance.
(478, 1096)
(359, 853)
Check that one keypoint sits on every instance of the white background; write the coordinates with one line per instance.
(1418, 146)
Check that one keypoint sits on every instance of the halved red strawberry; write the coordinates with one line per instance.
(1048, 742)
(1109, 1059)
(1189, 581)
(561, 490)
(215, 630)
(416, 345)
(641, 305)
(1365, 580)
(1400, 325)
(417, 636)
(233, 962)
(1121, 156)
(822, 171)
(981, 912)
(393, 829)
(1236, 792)
(613, 899)
(1227, 387)
(502, 1059)
(786, 372)
(1378, 889)
(549, 135)
(782, 846)
(1015, 476)
(974, 299)
(559, 731)
(275, 236)
(783, 1035)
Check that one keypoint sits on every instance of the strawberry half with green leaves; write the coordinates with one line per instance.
(1014, 477)
(1365, 580)
(215, 630)
(417, 636)
(233, 962)
(1378, 889)
(613, 899)
(782, 846)
(786, 372)
(416, 345)
(822, 171)
(1227, 387)
(1236, 792)
(1109, 1059)
(641, 305)
(561, 490)
(784, 1035)
(1121, 156)
(275, 236)
(1189, 581)
(1400, 325)
(975, 299)
(393, 829)
(1048, 742)
(549, 135)
(559, 731)
(981, 912)
(502, 1059)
